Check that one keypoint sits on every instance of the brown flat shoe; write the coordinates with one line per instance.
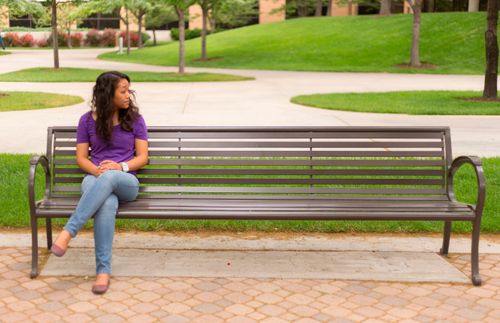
(100, 289)
(57, 251)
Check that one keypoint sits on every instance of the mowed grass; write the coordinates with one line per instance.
(15, 211)
(69, 74)
(411, 102)
(14, 101)
(453, 41)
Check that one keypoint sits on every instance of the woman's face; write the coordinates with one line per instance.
(121, 99)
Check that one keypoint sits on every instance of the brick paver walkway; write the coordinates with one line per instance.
(137, 299)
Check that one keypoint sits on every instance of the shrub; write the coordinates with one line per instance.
(75, 39)
(108, 38)
(93, 38)
(190, 33)
(42, 43)
(12, 40)
(145, 37)
(27, 40)
(61, 40)
(134, 38)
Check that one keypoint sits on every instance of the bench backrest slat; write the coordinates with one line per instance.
(394, 163)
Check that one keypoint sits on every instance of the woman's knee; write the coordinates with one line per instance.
(88, 182)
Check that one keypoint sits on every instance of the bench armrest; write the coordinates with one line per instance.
(481, 184)
(34, 162)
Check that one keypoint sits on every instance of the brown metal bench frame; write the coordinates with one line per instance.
(327, 155)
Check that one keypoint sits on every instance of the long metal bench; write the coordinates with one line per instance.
(277, 173)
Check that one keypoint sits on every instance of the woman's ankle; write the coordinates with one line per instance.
(63, 239)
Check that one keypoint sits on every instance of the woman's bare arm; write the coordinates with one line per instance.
(82, 159)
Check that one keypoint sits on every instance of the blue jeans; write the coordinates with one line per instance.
(100, 197)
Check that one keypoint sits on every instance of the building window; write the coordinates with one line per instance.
(101, 21)
(24, 21)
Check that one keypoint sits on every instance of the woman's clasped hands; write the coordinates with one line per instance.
(106, 165)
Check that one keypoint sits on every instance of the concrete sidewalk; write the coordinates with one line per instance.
(265, 101)
(221, 298)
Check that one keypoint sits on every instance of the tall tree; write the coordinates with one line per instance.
(108, 6)
(416, 6)
(473, 6)
(491, 42)
(319, 8)
(19, 8)
(139, 8)
(207, 7)
(159, 16)
(385, 7)
(67, 16)
(181, 8)
(53, 25)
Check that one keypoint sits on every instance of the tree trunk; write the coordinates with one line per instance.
(204, 18)
(127, 31)
(139, 25)
(319, 8)
(429, 5)
(55, 44)
(329, 9)
(212, 23)
(182, 59)
(302, 8)
(385, 7)
(415, 41)
(473, 5)
(154, 36)
(68, 40)
(490, 76)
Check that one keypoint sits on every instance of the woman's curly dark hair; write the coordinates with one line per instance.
(102, 104)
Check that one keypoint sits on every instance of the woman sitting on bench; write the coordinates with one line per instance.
(117, 136)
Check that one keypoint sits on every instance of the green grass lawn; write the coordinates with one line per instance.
(15, 212)
(452, 41)
(89, 75)
(411, 102)
(4, 53)
(12, 101)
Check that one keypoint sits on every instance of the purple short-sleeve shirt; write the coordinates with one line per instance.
(121, 148)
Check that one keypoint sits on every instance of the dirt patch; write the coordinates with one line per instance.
(423, 65)
(210, 59)
(3, 94)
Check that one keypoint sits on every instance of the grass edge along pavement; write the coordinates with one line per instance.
(403, 102)
(16, 100)
(453, 42)
(15, 211)
(70, 74)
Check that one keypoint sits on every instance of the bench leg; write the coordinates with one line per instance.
(48, 225)
(34, 247)
(476, 278)
(446, 238)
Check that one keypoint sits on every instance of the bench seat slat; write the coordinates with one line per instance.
(258, 202)
(289, 162)
(267, 190)
(270, 171)
(288, 153)
(276, 215)
(174, 144)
